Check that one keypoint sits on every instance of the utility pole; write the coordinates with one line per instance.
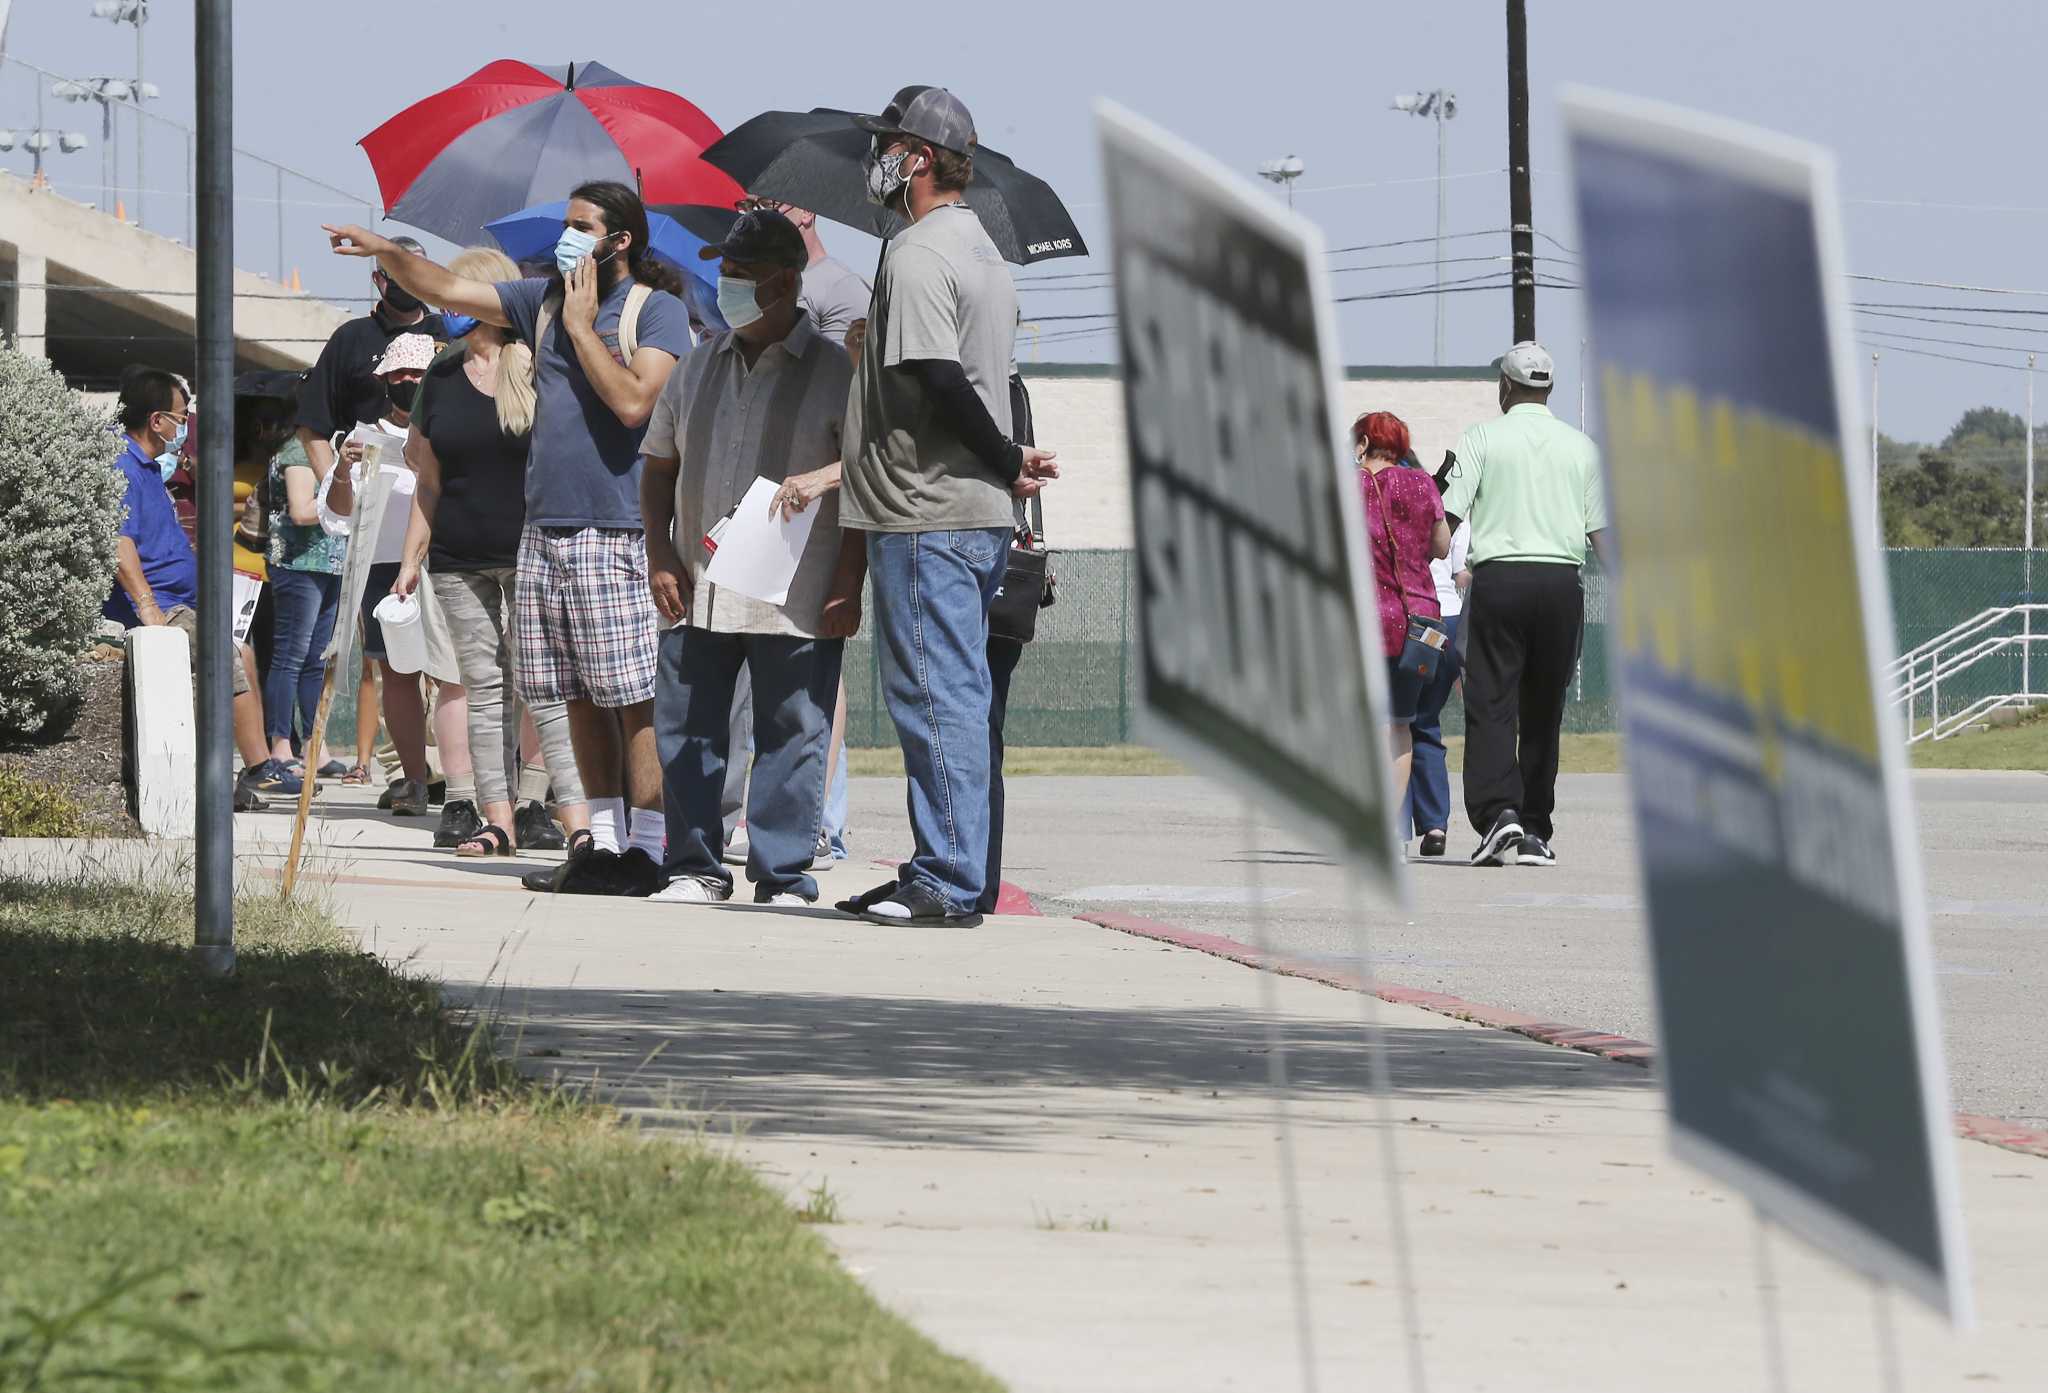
(1521, 214)
(2027, 555)
(213, 67)
(1876, 508)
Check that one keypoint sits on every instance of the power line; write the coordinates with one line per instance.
(1952, 323)
(1948, 285)
(1954, 343)
(1945, 357)
(1946, 309)
(307, 299)
(1105, 279)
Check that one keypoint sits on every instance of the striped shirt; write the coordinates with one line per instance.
(728, 424)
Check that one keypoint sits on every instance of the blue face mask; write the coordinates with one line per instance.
(167, 462)
(457, 324)
(736, 301)
(572, 246)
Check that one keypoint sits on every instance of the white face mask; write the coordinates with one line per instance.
(736, 301)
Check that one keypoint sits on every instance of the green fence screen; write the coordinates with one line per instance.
(1077, 684)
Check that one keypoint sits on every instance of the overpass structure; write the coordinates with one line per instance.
(93, 294)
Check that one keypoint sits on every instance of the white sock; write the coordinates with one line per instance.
(607, 822)
(650, 832)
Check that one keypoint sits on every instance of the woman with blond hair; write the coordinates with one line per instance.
(468, 445)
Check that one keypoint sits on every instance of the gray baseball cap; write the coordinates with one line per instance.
(932, 114)
(1527, 363)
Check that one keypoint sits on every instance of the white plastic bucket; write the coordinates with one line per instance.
(405, 639)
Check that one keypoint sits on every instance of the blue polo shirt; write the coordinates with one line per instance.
(152, 524)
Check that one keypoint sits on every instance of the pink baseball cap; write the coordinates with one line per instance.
(407, 353)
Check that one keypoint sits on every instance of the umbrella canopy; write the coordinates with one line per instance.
(708, 221)
(530, 235)
(511, 135)
(814, 159)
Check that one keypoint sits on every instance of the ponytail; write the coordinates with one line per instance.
(515, 394)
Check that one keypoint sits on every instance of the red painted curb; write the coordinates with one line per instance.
(1619, 1048)
(1010, 899)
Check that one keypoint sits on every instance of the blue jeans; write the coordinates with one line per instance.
(835, 805)
(794, 681)
(303, 607)
(932, 593)
(1426, 807)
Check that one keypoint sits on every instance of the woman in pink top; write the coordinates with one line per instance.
(1405, 528)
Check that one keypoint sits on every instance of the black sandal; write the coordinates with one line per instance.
(858, 905)
(489, 840)
(548, 879)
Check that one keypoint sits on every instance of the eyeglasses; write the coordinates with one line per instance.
(179, 416)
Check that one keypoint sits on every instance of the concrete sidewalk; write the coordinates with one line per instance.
(1053, 1147)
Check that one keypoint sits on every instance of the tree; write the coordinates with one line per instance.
(1940, 503)
(1995, 426)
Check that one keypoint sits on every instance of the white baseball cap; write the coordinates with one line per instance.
(1528, 363)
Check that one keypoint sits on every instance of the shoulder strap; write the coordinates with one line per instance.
(629, 321)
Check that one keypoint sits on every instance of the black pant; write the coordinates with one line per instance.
(1523, 622)
(1003, 655)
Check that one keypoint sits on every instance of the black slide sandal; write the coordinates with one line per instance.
(490, 840)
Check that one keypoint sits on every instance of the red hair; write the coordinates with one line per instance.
(1381, 432)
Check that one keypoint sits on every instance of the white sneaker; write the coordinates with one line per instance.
(690, 889)
(788, 899)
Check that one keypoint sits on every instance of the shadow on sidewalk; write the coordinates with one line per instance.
(954, 1072)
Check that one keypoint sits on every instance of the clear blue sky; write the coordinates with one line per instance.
(1923, 107)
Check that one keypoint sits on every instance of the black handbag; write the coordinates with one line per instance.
(1028, 582)
(1427, 641)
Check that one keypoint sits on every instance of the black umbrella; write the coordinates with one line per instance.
(705, 221)
(815, 159)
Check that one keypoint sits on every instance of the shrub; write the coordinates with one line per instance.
(32, 809)
(60, 512)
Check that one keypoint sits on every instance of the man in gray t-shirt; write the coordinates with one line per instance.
(929, 471)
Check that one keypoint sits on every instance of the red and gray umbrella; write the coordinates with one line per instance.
(514, 134)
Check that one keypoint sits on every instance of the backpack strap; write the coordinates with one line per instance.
(629, 320)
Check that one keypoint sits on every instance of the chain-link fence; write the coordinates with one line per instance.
(1077, 683)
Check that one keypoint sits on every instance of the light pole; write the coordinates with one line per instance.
(2027, 555)
(1876, 481)
(1284, 172)
(135, 12)
(106, 91)
(1439, 106)
(39, 140)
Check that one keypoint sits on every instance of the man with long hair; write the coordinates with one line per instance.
(605, 329)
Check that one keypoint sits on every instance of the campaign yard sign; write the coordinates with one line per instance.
(1800, 1050)
(1258, 656)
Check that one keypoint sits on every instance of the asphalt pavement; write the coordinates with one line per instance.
(1565, 943)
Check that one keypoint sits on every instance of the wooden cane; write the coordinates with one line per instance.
(314, 744)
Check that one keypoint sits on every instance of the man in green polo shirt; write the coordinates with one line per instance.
(1530, 486)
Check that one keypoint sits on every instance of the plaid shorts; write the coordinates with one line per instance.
(586, 627)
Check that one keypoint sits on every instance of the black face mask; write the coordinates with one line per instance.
(401, 300)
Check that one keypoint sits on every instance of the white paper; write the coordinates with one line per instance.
(759, 551)
(248, 590)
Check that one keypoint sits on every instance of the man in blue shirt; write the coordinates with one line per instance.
(155, 570)
(156, 576)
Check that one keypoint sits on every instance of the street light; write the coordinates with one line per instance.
(1439, 106)
(39, 140)
(135, 12)
(106, 91)
(1283, 172)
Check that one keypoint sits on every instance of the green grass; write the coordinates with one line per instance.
(2023, 747)
(313, 1176)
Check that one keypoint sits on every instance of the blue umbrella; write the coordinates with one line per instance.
(531, 233)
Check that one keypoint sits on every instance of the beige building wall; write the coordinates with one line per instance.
(1077, 410)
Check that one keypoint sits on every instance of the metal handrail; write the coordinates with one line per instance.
(1961, 663)
(1980, 620)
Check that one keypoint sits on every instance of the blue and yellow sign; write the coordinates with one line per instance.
(1800, 1051)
